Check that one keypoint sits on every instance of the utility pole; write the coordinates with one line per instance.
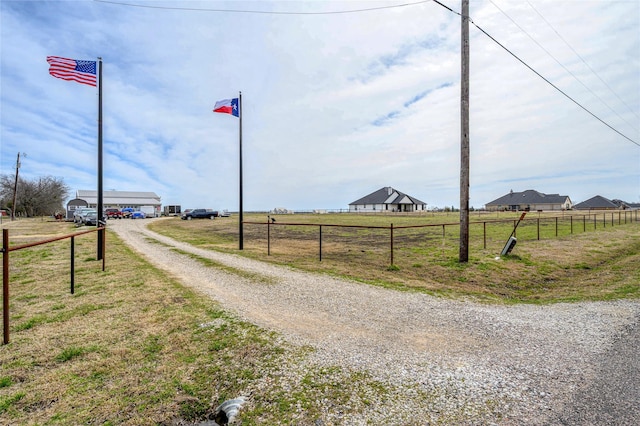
(464, 136)
(15, 189)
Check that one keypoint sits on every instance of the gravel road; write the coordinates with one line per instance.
(479, 364)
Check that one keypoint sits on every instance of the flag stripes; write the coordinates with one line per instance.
(83, 72)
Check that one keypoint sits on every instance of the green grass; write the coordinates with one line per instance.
(543, 268)
(133, 346)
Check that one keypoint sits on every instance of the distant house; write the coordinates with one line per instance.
(601, 203)
(530, 200)
(634, 206)
(116, 199)
(387, 199)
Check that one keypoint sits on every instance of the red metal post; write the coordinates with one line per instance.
(5, 285)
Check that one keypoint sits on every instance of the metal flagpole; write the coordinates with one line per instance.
(240, 230)
(100, 206)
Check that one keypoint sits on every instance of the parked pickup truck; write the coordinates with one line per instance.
(113, 213)
(199, 214)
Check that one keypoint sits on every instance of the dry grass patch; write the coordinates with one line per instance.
(134, 347)
(596, 264)
(131, 346)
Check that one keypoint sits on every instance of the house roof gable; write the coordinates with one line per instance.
(386, 196)
(597, 202)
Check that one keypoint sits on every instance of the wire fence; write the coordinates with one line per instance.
(339, 241)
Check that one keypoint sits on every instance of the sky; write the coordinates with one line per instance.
(339, 99)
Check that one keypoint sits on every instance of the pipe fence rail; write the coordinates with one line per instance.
(531, 228)
(7, 248)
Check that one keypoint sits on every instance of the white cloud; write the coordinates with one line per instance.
(335, 106)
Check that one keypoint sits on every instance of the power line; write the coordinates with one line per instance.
(559, 63)
(583, 61)
(562, 65)
(541, 76)
(554, 86)
(264, 12)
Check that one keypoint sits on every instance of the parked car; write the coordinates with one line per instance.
(138, 215)
(199, 214)
(112, 213)
(126, 212)
(90, 218)
(79, 214)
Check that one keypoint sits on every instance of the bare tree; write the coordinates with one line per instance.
(38, 197)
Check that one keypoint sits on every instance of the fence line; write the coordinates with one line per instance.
(6, 249)
(603, 219)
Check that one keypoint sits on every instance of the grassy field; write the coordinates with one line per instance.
(133, 346)
(594, 258)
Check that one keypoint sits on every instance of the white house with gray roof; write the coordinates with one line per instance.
(385, 200)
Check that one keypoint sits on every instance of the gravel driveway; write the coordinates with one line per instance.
(481, 364)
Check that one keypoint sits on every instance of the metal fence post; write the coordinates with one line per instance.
(104, 245)
(320, 241)
(484, 234)
(391, 244)
(73, 264)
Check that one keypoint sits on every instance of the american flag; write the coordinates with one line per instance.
(72, 69)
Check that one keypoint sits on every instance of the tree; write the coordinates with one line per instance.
(43, 196)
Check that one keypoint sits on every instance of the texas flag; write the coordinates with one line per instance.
(227, 106)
